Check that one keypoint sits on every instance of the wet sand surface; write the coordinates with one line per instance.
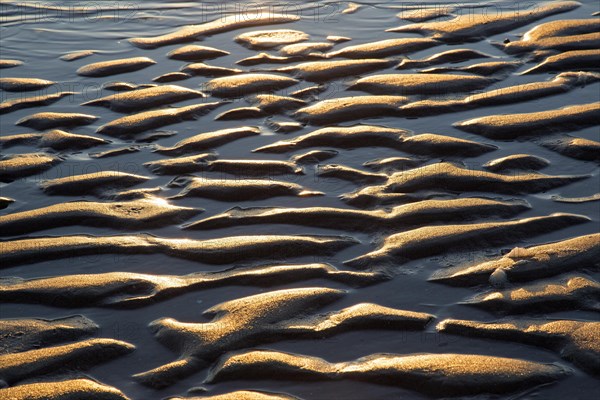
(312, 200)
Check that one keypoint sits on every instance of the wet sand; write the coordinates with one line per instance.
(331, 200)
